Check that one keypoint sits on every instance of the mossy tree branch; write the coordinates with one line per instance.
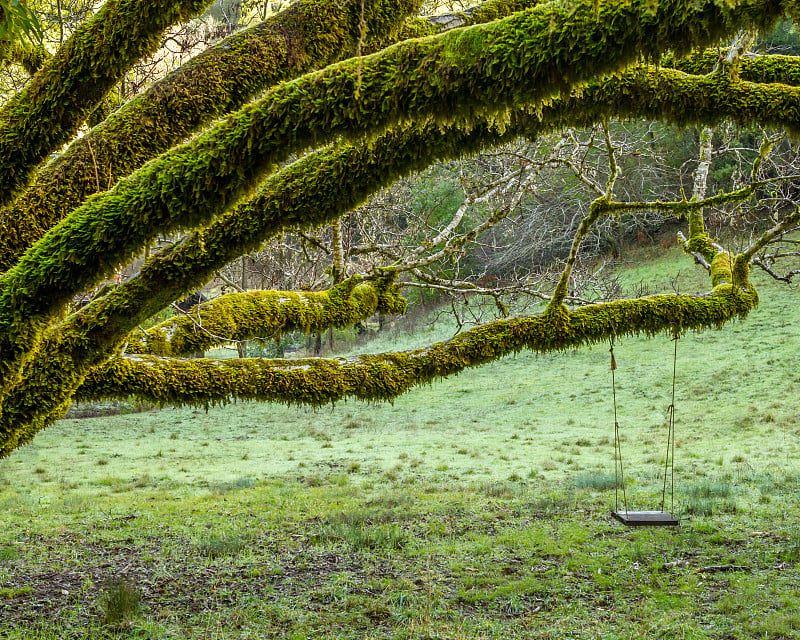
(682, 208)
(598, 208)
(384, 377)
(788, 222)
(266, 315)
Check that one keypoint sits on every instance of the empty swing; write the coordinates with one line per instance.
(659, 518)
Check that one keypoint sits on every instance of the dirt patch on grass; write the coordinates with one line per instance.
(66, 580)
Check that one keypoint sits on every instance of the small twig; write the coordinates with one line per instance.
(787, 277)
(769, 235)
(613, 167)
(674, 564)
(229, 282)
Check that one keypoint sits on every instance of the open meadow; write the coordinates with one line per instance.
(477, 507)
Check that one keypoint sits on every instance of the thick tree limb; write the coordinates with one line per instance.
(386, 376)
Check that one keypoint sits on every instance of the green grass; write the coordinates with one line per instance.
(122, 599)
(474, 508)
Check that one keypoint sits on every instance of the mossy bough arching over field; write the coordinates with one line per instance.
(307, 192)
(385, 376)
(416, 101)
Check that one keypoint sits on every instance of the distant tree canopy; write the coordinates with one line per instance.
(291, 124)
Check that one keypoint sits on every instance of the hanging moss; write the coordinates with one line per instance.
(253, 314)
(30, 57)
(761, 68)
(47, 113)
(219, 80)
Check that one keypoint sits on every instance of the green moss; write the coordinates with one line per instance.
(421, 27)
(267, 314)
(741, 271)
(409, 30)
(497, 9)
(702, 244)
(30, 56)
(41, 393)
(761, 69)
(721, 269)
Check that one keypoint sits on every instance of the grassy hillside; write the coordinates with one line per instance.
(475, 507)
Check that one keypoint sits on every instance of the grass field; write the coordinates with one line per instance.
(473, 508)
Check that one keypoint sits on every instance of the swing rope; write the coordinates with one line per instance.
(669, 459)
(619, 475)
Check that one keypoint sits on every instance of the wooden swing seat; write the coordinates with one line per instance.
(646, 518)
